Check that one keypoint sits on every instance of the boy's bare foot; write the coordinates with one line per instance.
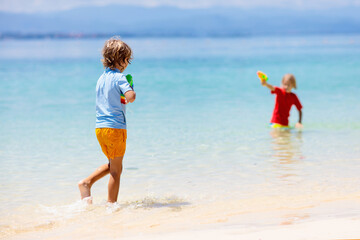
(84, 188)
(87, 200)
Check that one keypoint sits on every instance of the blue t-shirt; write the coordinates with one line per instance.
(110, 112)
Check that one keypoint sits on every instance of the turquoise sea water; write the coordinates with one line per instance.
(197, 133)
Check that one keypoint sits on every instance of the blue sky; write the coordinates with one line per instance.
(53, 5)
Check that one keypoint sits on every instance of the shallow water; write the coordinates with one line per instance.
(198, 135)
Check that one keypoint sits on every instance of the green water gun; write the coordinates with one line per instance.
(130, 80)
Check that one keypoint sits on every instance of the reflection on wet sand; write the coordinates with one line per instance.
(287, 155)
(286, 147)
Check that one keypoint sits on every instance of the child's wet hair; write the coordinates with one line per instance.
(115, 52)
(291, 78)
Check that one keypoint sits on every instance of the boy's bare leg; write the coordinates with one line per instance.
(85, 184)
(114, 181)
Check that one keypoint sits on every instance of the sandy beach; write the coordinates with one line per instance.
(320, 230)
(213, 221)
(339, 228)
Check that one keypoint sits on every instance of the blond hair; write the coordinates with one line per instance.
(115, 53)
(291, 78)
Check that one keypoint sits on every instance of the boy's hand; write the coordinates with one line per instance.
(130, 96)
(264, 83)
(298, 125)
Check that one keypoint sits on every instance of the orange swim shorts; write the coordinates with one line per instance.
(112, 141)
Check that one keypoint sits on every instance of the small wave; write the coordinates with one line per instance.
(67, 211)
(48, 217)
(43, 217)
(113, 207)
(71, 210)
(148, 202)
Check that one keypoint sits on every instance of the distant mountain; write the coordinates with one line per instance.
(172, 21)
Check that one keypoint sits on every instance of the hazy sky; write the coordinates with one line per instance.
(51, 5)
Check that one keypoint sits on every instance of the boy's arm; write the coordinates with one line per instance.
(130, 96)
(299, 124)
(269, 86)
(126, 87)
(299, 108)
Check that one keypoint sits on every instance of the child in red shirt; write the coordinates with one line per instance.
(283, 102)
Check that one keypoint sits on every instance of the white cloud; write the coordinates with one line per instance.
(54, 5)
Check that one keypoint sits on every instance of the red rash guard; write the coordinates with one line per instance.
(283, 104)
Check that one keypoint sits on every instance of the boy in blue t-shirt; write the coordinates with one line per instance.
(110, 117)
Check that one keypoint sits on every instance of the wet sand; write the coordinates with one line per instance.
(217, 221)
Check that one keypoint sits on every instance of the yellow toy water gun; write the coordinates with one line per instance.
(262, 76)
